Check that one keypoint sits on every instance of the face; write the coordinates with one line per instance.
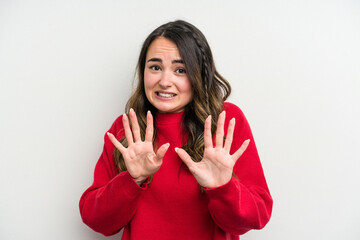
(167, 86)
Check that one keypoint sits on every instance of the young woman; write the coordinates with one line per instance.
(182, 163)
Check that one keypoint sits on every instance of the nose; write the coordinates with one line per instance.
(165, 80)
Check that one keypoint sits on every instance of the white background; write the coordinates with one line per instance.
(66, 71)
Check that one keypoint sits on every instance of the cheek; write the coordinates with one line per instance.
(147, 82)
(186, 88)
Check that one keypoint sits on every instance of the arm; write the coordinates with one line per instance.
(244, 203)
(109, 204)
(237, 204)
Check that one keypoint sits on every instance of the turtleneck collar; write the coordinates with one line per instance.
(169, 129)
(168, 118)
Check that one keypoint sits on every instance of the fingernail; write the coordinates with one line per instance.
(176, 149)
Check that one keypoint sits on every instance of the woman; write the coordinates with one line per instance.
(167, 170)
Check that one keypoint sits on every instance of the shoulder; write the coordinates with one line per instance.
(117, 127)
(230, 106)
(233, 111)
(117, 130)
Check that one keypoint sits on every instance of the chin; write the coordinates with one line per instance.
(168, 110)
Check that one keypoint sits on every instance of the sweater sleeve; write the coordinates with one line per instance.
(244, 203)
(111, 201)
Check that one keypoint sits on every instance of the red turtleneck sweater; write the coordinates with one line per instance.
(172, 205)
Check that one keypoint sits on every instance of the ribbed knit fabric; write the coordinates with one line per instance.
(172, 205)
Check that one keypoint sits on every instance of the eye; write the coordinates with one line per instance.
(155, 68)
(181, 71)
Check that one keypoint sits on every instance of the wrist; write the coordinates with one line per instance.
(139, 181)
(218, 183)
(223, 187)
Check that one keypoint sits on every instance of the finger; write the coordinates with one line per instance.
(116, 143)
(127, 129)
(149, 127)
(207, 133)
(160, 153)
(241, 150)
(185, 157)
(135, 125)
(229, 135)
(220, 130)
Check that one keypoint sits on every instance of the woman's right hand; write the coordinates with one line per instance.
(140, 159)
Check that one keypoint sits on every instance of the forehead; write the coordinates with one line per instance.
(163, 47)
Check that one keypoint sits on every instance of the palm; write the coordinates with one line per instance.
(140, 159)
(216, 167)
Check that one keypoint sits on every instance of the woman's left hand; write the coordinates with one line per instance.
(216, 167)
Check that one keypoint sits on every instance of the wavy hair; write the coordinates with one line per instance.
(210, 89)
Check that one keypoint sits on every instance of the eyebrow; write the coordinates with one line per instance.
(159, 60)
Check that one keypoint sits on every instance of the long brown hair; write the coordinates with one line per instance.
(210, 89)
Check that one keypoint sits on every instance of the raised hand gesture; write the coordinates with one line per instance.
(140, 159)
(216, 167)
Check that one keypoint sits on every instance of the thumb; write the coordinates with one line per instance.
(185, 157)
(160, 153)
(241, 150)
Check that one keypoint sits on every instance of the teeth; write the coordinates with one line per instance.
(165, 94)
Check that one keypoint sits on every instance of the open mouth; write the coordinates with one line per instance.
(165, 95)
